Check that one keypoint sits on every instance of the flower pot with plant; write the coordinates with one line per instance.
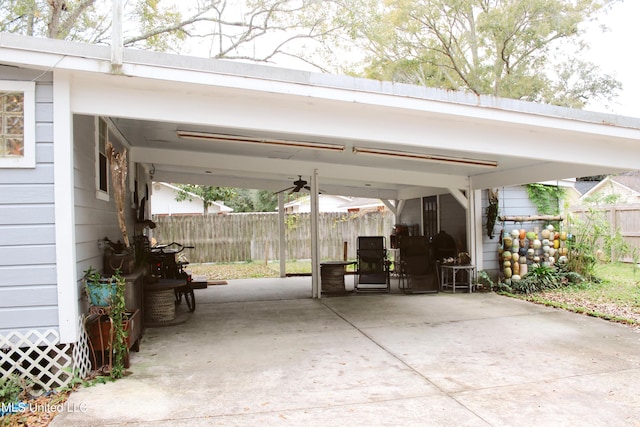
(100, 289)
(118, 324)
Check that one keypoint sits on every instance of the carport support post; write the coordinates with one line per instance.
(281, 230)
(315, 261)
(477, 230)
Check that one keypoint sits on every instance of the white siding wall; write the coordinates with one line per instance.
(28, 295)
(513, 201)
(95, 218)
(163, 202)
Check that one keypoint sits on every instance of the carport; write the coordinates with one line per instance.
(240, 125)
(213, 122)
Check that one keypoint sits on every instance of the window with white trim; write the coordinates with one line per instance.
(17, 124)
(102, 164)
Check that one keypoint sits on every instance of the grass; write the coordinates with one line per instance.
(249, 270)
(616, 297)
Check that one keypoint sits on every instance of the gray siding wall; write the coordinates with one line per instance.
(28, 293)
(412, 213)
(95, 218)
(453, 220)
(512, 201)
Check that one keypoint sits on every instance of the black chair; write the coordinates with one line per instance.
(418, 268)
(372, 269)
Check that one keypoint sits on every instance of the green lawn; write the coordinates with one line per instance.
(616, 297)
(248, 270)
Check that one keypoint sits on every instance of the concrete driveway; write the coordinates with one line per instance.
(381, 359)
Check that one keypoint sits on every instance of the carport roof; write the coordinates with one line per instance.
(154, 96)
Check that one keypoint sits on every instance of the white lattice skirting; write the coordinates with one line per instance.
(40, 357)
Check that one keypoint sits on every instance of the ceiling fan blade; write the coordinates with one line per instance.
(283, 190)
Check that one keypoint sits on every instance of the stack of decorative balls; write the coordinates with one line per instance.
(521, 249)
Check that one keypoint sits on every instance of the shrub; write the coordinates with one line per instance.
(543, 278)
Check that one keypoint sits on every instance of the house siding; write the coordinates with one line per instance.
(163, 202)
(95, 219)
(28, 289)
(513, 201)
(453, 220)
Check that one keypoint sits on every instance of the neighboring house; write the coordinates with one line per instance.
(163, 202)
(624, 187)
(209, 122)
(326, 203)
(362, 204)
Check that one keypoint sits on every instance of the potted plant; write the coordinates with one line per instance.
(100, 289)
(111, 329)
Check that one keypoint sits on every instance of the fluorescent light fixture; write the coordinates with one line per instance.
(426, 157)
(250, 140)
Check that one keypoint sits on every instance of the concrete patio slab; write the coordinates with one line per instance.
(387, 359)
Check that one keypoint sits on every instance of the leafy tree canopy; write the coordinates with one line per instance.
(239, 199)
(233, 29)
(208, 193)
(519, 49)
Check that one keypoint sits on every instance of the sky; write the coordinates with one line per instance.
(614, 51)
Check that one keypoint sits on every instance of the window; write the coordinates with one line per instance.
(102, 165)
(17, 124)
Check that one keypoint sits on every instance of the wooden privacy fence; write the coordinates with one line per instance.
(255, 236)
(622, 218)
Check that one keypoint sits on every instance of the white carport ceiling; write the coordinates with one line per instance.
(156, 95)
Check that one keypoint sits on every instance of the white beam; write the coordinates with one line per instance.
(471, 223)
(400, 207)
(460, 197)
(288, 166)
(65, 230)
(316, 290)
(545, 172)
(281, 232)
(418, 192)
(477, 230)
(392, 207)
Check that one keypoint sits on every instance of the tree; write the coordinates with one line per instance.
(209, 194)
(248, 200)
(519, 49)
(252, 29)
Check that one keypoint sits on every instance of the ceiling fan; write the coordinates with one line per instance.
(298, 185)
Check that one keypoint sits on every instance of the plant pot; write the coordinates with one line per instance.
(100, 331)
(101, 293)
(125, 262)
(100, 334)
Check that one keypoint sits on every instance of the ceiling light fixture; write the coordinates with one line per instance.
(426, 157)
(244, 139)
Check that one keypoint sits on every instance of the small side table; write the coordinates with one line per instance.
(332, 276)
(448, 277)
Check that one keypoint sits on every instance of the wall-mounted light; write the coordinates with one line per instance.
(426, 157)
(244, 139)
